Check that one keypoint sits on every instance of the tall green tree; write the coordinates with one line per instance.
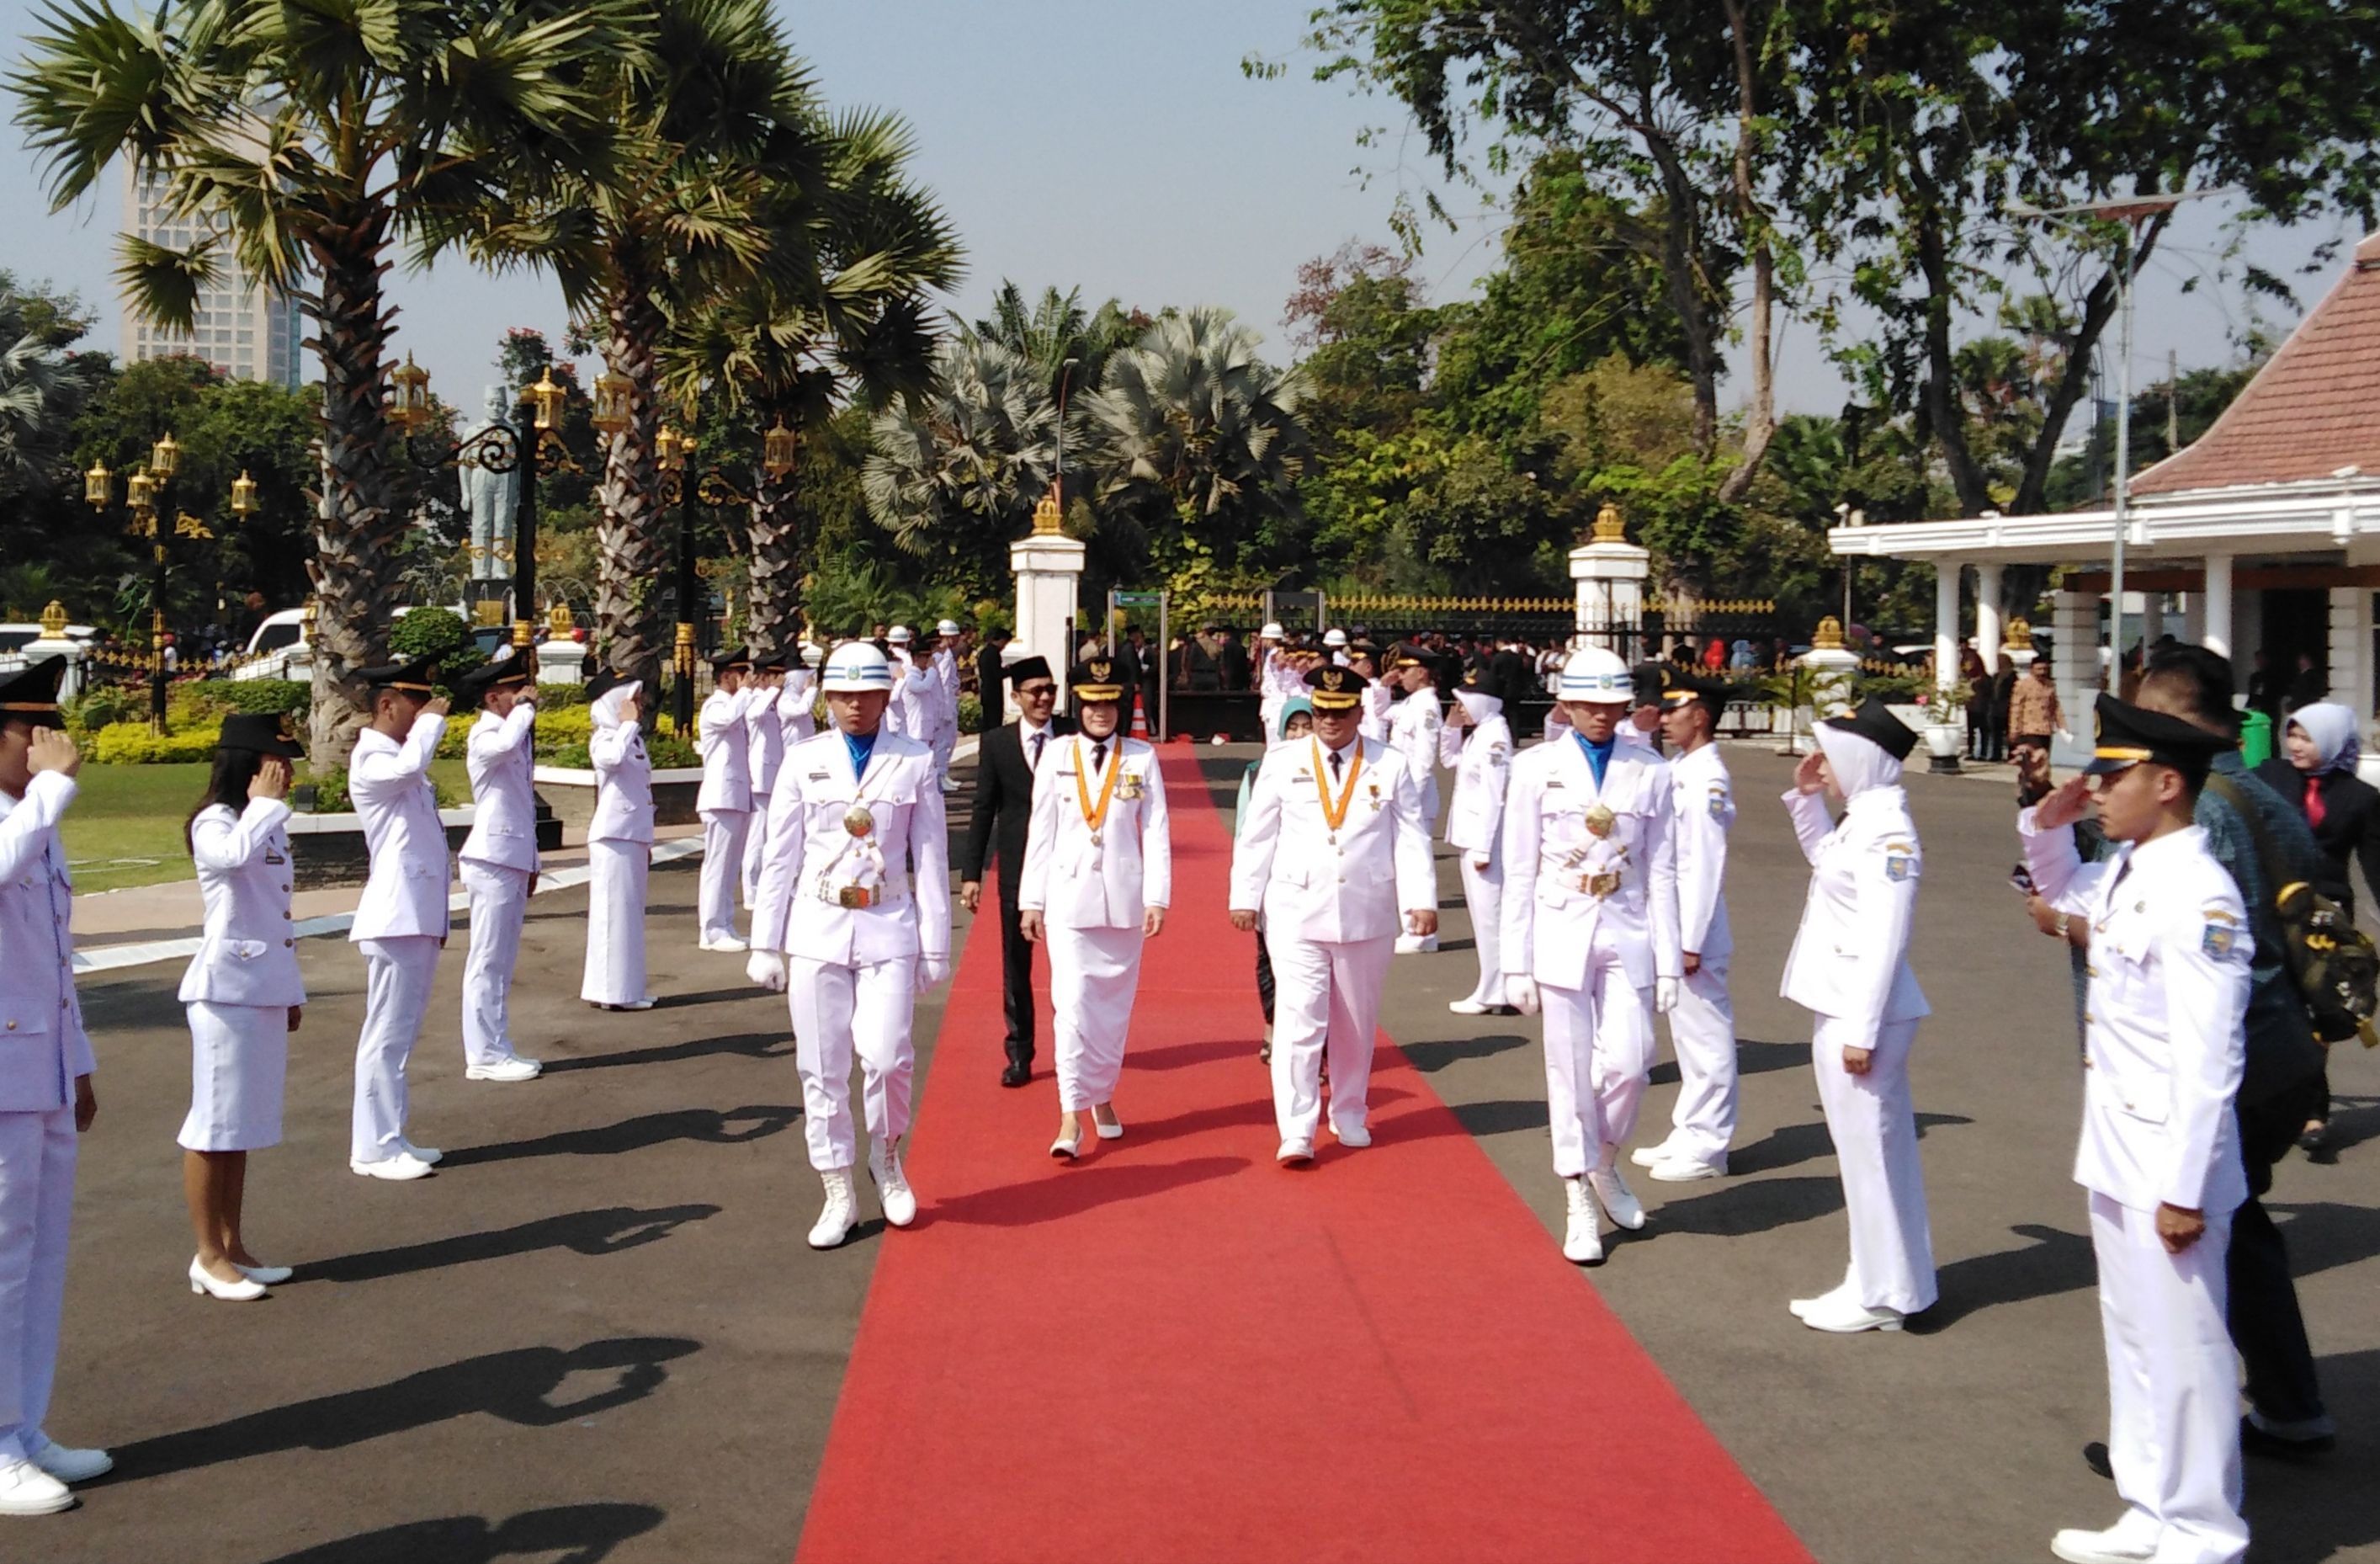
(308, 139)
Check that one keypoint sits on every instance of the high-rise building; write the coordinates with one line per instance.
(244, 330)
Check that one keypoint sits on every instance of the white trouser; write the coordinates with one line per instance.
(946, 740)
(756, 849)
(1599, 1055)
(1483, 894)
(839, 1011)
(1702, 1034)
(1875, 1131)
(723, 831)
(2173, 1423)
(615, 923)
(37, 1169)
(499, 904)
(1324, 995)
(1094, 973)
(397, 976)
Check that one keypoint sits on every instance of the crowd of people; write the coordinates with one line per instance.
(1593, 864)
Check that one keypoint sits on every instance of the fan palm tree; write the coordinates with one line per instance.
(39, 392)
(1071, 344)
(837, 318)
(307, 138)
(710, 131)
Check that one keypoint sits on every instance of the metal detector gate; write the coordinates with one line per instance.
(1112, 632)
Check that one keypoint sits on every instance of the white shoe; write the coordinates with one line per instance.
(1686, 1170)
(949, 785)
(1838, 1296)
(270, 1276)
(892, 1190)
(1847, 1316)
(1618, 1198)
(1109, 1128)
(65, 1464)
(429, 1155)
(1355, 1136)
(730, 946)
(1410, 945)
(644, 1003)
(1294, 1154)
(397, 1168)
(834, 1223)
(26, 1489)
(1468, 1007)
(1067, 1146)
(1646, 1156)
(1583, 1236)
(241, 1291)
(2119, 1543)
(514, 1069)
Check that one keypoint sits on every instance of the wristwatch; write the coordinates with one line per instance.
(2065, 928)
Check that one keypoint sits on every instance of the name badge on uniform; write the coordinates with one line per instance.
(272, 857)
(818, 777)
(1552, 783)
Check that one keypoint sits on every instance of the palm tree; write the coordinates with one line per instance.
(307, 138)
(1072, 345)
(837, 318)
(709, 133)
(39, 392)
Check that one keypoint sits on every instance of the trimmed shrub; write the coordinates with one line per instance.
(274, 697)
(131, 743)
(970, 713)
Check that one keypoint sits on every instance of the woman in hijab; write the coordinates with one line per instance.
(1849, 967)
(2315, 770)
(619, 848)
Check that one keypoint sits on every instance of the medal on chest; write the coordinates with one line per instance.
(1334, 810)
(1095, 816)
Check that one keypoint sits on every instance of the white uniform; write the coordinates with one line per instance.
(1849, 968)
(45, 1050)
(498, 865)
(1092, 889)
(241, 984)
(1593, 919)
(1276, 683)
(1481, 756)
(399, 924)
(2164, 1048)
(1378, 700)
(1701, 1027)
(1414, 725)
(945, 669)
(619, 854)
(764, 735)
(852, 972)
(1332, 900)
(725, 804)
(906, 714)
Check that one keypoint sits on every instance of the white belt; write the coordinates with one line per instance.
(855, 897)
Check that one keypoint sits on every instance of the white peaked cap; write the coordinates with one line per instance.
(857, 665)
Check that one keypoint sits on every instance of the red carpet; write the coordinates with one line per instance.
(1177, 1351)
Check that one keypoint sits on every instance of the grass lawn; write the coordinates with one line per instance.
(124, 827)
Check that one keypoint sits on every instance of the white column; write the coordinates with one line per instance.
(2351, 634)
(1049, 569)
(1609, 577)
(1945, 622)
(2074, 668)
(2217, 636)
(1990, 627)
(2152, 618)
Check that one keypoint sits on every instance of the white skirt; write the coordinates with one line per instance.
(239, 1056)
(615, 923)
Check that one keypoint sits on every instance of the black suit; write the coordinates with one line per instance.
(1003, 809)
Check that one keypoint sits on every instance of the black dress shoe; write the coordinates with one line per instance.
(2256, 1441)
(2094, 1456)
(1018, 1073)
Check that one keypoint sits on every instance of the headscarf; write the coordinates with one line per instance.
(1858, 764)
(606, 712)
(1295, 705)
(1479, 705)
(2333, 729)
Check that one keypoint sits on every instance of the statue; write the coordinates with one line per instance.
(490, 498)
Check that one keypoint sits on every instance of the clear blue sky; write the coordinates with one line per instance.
(1113, 144)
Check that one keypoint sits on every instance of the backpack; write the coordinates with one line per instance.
(2334, 964)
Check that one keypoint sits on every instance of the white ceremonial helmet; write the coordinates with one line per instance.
(946, 626)
(1596, 677)
(899, 635)
(813, 653)
(1271, 630)
(857, 665)
(1334, 638)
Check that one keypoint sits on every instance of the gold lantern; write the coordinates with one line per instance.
(669, 450)
(306, 620)
(408, 402)
(243, 494)
(98, 486)
(166, 457)
(612, 391)
(54, 620)
(140, 491)
(777, 450)
(546, 399)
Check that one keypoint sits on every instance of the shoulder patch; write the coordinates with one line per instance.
(2219, 934)
(1899, 863)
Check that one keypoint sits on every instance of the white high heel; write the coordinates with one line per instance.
(1108, 1131)
(245, 1290)
(1067, 1146)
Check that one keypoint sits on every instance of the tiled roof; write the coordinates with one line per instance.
(2313, 409)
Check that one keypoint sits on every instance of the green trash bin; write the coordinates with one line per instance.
(2255, 738)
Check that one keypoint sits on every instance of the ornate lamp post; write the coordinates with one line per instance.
(779, 449)
(144, 497)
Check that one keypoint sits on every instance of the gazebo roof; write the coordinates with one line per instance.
(2313, 411)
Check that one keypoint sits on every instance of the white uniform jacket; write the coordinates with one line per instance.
(1564, 883)
(1850, 956)
(946, 690)
(42, 1045)
(247, 952)
(504, 820)
(1413, 724)
(1079, 884)
(764, 739)
(1308, 887)
(2165, 1036)
(796, 721)
(727, 758)
(623, 785)
(390, 785)
(1702, 812)
(1378, 700)
(1483, 769)
(811, 857)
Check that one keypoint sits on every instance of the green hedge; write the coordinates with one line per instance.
(131, 743)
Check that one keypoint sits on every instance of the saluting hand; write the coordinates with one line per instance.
(437, 705)
(2070, 803)
(52, 750)
(271, 781)
(1810, 777)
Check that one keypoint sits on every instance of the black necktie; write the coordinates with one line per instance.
(1098, 754)
(1337, 761)
(1036, 762)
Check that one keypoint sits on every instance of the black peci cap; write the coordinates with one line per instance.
(2126, 735)
(266, 734)
(1029, 667)
(419, 677)
(1873, 721)
(31, 692)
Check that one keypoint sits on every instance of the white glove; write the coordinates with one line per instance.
(766, 968)
(1665, 995)
(932, 970)
(1521, 993)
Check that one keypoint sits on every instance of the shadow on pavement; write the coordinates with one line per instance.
(751, 1044)
(1751, 1057)
(1754, 1205)
(1070, 1191)
(1500, 1117)
(1792, 1144)
(634, 1134)
(517, 1386)
(584, 1232)
(578, 1533)
(2052, 1261)
(2303, 1512)
(1431, 1058)
(2323, 1234)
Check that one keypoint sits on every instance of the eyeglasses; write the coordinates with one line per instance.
(1036, 692)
